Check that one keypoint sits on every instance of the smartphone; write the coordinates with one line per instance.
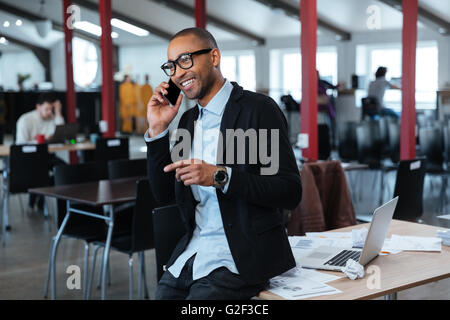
(172, 93)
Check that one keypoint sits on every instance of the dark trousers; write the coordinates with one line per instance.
(220, 284)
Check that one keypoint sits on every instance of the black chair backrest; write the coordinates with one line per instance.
(394, 141)
(73, 174)
(107, 149)
(409, 189)
(447, 143)
(142, 224)
(369, 106)
(168, 228)
(29, 167)
(127, 168)
(369, 143)
(431, 146)
(347, 144)
(324, 142)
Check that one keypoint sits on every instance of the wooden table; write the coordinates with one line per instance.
(397, 271)
(5, 149)
(99, 193)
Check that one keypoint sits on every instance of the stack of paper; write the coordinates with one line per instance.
(409, 243)
(299, 283)
(445, 236)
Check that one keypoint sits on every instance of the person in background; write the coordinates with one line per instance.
(146, 92)
(128, 104)
(326, 103)
(377, 89)
(43, 120)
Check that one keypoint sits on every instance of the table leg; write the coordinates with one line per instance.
(4, 206)
(106, 250)
(54, 249)
(392, 296)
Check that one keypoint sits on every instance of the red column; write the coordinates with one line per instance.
(308, 109)
(71, 98)
(409, 43)
(200, 14)
(108, 101)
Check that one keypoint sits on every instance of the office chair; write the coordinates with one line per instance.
(27, 167)
(79, 227)
(124, 168)
(107, 149)
(324, 141)
(168, 229)
(369, 107)
(409, 188)
(138, 239)
(431, 146)
(369, 151)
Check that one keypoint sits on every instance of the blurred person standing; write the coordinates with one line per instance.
(146, 92)
(128, 104)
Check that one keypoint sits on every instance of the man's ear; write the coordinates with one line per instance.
(216, 56)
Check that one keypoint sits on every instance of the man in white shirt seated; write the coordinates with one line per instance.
(41, 121)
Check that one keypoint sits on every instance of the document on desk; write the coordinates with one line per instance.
(410, 243)
(299, 283)
(316, 239)
(301, 289)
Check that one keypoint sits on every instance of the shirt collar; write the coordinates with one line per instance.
(217, 104)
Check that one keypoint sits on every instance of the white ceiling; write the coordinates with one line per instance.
(249, 15)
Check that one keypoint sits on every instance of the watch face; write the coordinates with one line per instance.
(220, 176)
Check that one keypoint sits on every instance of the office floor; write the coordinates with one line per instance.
(24, 259)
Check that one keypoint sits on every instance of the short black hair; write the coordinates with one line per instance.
(381, 72)
(200, 33)
(46, 97)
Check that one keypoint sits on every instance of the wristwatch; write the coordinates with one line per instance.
(220, 177)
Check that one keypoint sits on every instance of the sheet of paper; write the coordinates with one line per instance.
(301, 289)
(315, 241)
(321, 277)
(410, 243)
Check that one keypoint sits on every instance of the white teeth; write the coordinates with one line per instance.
(186, 83)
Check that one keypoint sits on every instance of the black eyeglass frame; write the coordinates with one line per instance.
(175, 62)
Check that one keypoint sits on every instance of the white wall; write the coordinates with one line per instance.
(15, 62)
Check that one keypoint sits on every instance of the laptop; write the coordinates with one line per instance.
(64, 132)
(334, 258)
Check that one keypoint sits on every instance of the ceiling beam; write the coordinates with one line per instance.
(42, 54)
(55, 25)
(426, 17)
(294, 12)
(152, 29)
(190, 11)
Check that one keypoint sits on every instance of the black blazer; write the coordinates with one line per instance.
(250, 212)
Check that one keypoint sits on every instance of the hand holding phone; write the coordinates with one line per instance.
(160, 113)
(172, 93)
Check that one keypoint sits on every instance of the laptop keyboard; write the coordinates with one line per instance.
(340, 259)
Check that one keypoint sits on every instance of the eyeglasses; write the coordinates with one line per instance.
(185, 62)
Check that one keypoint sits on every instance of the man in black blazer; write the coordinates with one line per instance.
(229, 194)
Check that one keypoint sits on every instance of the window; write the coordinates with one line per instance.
(286, 70)
(370, 57)
(239, 67)
(85, 62)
